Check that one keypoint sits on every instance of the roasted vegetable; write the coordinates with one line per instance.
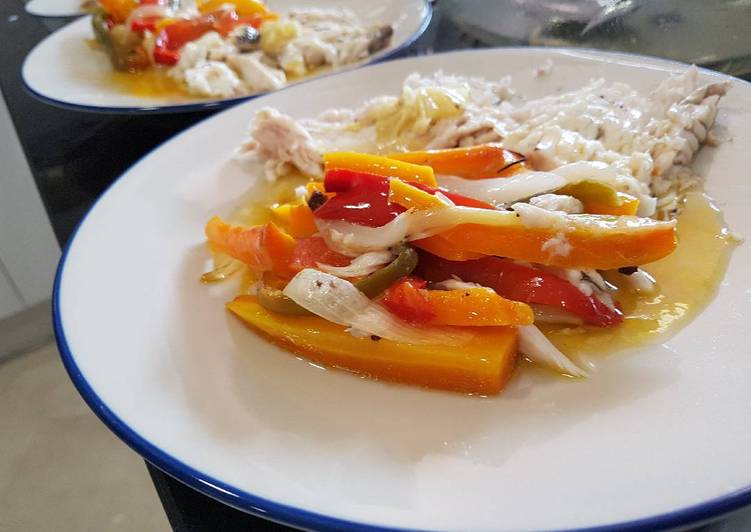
(383, 166)
(123, 46)
(467, 307)
(476, 162)
(471, 369)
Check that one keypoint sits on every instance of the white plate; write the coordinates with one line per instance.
(55, 8)
(655, 438)
(65, 70)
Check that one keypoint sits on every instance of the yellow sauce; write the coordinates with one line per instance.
(155, 83)
(256, 210)
(687, 280)
(150, 83)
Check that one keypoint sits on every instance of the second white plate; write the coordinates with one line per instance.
(65, 70)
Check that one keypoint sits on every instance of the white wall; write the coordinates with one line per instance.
(28, 249)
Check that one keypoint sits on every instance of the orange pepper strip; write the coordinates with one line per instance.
(296, 218)
(482, 366)
(442, 247)
(263, 247)
(118, 9)
(476, 307)
(590, 241)
(476, 162)
(378, 165)
(244, 8)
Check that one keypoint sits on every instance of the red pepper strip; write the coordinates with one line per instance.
(177, 34)
(163, 56)
(362, 198)
(142, 24)
(521, 283)
(403, 299)
(310, 251)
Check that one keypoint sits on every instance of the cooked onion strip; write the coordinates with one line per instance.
(363, 265)
(506, 190)
(537, 348)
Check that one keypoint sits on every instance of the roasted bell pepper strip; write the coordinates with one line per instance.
(469, 307)
(447, 249)
(458, 199)
(275, 301)
(263, 247)
(142, 24)
(411, 197)
(360, 199)
(472, 369)
(601, 198)
(521, 283)
(266, 248)
(476, 307)
(244, 8)
(378, 281)
(296, 218)
(363, 198)
(573, 241)
(405, 300)
(162, 56)
(476, 162)
(310, 251)
(118, 10)
(376, 164)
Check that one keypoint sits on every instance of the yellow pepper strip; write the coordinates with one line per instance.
(411, 197)
(476, 307)
(475, 162)
(244, 8)
(118, 9)
(296, 218)
(601, 198)
(383, 166)
(482, 366)
(587, 241)
(314, 186)
(160, 24)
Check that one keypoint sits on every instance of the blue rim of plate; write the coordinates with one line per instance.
(693, 515)
(212, 105)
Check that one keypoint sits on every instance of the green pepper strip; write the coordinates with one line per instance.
(380, 280)
(101, 32)
(371, 286)
(275, 301)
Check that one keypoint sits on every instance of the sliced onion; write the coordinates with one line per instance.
(642, 282)
(365, 264)
(537, 348)
(506, 190)
(340, 301)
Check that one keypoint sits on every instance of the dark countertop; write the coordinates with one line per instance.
(75, 156)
